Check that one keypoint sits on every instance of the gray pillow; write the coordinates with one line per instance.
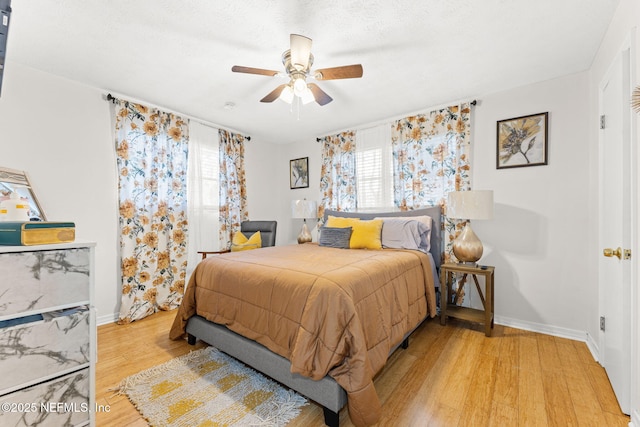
(335, 237)
(405, 233)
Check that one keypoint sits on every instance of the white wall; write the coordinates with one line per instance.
(263, 165)
(538, 238)
(59, 132)
(291, 227)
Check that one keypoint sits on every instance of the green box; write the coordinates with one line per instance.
(21, 233)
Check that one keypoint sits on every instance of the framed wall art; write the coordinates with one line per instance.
(522, 141)
(299, 172)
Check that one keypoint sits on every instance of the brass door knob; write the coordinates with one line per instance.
(613, 252)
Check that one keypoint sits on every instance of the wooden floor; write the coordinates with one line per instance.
(449, 376)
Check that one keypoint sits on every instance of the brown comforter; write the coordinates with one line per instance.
(329, 311)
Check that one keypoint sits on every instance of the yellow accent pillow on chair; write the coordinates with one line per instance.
(241, 243)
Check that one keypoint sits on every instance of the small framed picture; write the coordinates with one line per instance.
(522, 141)
(299, 172)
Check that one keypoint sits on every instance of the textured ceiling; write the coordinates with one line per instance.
(415, 54)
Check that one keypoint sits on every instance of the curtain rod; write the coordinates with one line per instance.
(112, 98)
(374, 124)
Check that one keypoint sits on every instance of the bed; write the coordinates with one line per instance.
(321, 320)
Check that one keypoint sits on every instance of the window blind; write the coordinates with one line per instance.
(374, 169)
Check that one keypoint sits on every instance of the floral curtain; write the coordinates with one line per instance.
(431, 158)
(233, 186)
(151, 151)
(338, 174)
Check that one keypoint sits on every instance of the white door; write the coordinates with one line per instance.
(615, 228)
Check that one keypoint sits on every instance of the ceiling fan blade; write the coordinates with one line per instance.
(321, 96)
(300, 51)
(274, 94)
(249, 70)
(344, 72)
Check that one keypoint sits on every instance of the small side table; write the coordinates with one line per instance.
(449, 298)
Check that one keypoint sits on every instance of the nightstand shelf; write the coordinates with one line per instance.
(448, 297)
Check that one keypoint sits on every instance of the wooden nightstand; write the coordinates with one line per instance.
(448, 298)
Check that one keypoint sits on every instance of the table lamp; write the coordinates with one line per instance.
(304, 209)
(477, 204)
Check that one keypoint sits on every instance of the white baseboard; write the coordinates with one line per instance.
(635, 419)
(556, 331)
(106, 319)
(593, 348)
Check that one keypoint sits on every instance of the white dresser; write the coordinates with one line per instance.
(47, 335)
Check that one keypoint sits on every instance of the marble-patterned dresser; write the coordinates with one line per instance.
(47, 335)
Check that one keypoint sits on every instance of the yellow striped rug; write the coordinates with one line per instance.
(208, 388)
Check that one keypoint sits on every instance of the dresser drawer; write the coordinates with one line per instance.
(42, 349)
(41, 280)
(63, 401)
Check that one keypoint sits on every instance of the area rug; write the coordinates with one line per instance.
(207, 388)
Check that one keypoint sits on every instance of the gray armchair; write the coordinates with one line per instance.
(267, 231)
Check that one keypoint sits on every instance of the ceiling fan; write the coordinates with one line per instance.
(297, 64)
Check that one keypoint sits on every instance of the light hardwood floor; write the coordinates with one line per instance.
(449, 376)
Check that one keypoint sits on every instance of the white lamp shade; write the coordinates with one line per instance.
(299, 87)
(300, 51)
(303, 209)
(476, 204)
(286, 95)
(307, 96)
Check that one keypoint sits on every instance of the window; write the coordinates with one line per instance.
(203, 189)
(210, 165)
(374, 169)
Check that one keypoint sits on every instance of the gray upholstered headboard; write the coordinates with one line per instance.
(435, 212)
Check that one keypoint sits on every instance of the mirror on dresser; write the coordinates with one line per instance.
(12, 180)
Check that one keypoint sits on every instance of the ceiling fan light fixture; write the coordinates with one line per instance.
(307, 97)
(299, 86)
(300, 51)
(297, 61)
(286, 95)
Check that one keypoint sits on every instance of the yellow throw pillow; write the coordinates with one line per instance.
(340, 222)
(366, 235)
(241, 243)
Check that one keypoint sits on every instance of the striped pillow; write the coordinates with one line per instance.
(335, 237)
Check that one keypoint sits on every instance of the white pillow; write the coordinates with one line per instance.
(425, 219)
(407, 232)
